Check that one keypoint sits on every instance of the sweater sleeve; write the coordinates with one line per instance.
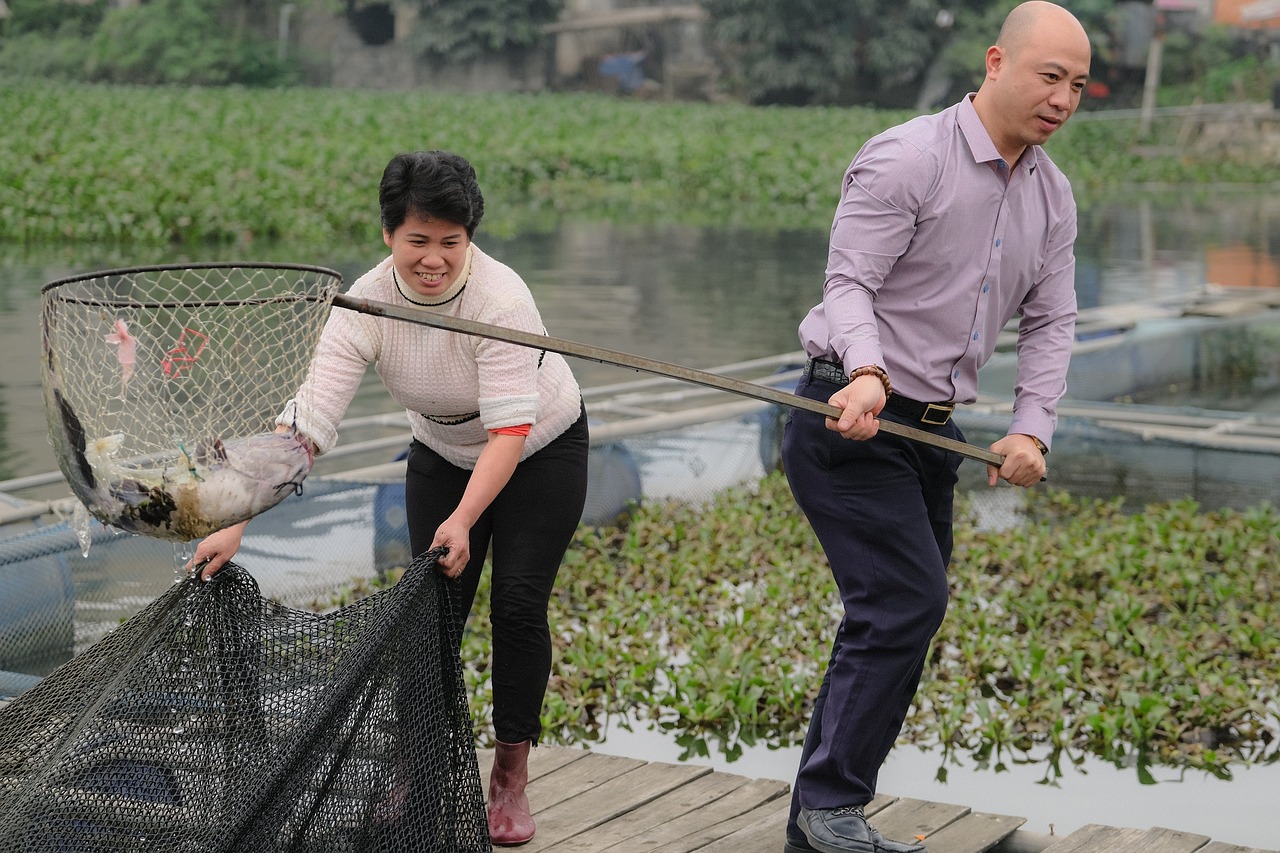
(508, 373)
(348, 345)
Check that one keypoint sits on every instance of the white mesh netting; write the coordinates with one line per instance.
(162, 385)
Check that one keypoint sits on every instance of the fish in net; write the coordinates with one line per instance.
(162, 385)
(217, 720)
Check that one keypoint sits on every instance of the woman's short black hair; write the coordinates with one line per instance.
(430, 185)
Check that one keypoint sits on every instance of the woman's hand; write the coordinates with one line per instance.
(215, 550)
(455, 536)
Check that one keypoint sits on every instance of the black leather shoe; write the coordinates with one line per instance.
(845, 830)
(798, 845)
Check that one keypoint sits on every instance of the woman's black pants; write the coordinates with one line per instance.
(529, 526)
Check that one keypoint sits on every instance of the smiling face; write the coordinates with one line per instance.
(1035, 78)
(428, 254)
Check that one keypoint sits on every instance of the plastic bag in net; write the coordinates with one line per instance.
(217, 720)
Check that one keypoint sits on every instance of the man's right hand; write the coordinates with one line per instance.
(859, 401)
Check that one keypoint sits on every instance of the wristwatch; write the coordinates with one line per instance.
(1040, 446)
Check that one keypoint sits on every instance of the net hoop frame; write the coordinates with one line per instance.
(210, 265)
(244, 327)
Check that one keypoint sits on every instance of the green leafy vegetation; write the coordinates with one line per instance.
(1139, 637)
(154, 166)
(162, 41)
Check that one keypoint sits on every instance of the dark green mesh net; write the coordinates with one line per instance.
(217, 720)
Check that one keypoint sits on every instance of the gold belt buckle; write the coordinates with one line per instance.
(936, 415)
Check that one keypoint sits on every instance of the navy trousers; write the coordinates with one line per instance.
(882, 510)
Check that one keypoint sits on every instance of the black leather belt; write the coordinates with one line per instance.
(934, 414)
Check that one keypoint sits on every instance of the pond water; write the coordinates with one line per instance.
(700, 296)
(712, 296)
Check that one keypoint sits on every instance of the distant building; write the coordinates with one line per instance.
(637, 50)
(367, 44)
(1252, 14)
(1241, 266)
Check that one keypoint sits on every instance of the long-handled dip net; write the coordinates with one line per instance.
(215, 719)
(162, 385)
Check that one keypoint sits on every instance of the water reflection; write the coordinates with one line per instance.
(1168, 246)
(700, 296)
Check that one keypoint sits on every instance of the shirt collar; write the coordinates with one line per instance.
(980, 144)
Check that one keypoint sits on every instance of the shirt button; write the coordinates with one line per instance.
(997, 241)
(976, 335)
(955, 375)
(985, 288)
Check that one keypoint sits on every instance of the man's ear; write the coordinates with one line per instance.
(995, 61)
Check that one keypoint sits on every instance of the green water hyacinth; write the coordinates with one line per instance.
(1139, 637)
(164, 166)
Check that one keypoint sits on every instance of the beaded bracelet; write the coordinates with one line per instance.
(877, 371)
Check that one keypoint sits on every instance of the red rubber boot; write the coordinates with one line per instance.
(509, 820)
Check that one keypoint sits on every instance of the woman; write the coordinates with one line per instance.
(499, 450)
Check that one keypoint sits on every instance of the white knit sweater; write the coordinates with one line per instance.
(454, 387)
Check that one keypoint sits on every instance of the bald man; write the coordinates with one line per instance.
(947, 227)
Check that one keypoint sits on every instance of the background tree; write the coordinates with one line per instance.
(784, 51)
(205, 42)
(800, 52)
(911, 54)
(887, 53)
(46, 40)
(463, 30)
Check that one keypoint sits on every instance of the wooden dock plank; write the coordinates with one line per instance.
(880, 803)
(685, 812)
(763, 835)
(976, 832)
(1094, 838)
(757, 831)
(1161, 840)
(772, 814)
(610, 798)
(576, 778)
(585, 801)
(1222, 847)
(910, 820)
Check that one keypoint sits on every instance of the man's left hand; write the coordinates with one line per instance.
(1024, 464)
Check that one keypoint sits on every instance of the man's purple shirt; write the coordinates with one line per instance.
(935, 246)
